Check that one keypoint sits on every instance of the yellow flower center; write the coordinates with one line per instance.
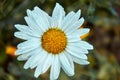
(54, 41)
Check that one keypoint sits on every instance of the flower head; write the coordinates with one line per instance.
(52, 42)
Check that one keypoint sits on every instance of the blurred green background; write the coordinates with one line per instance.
(101, 16)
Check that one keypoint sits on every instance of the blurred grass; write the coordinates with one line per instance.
(102, 17)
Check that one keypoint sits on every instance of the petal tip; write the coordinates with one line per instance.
(79, 11)
(92, 47)
(28, 11)
(36, 75)
(26, 67)
(25, 17)
(15, 34)
(16, 25)
(36, 8)
(58, 5)
(82, 19)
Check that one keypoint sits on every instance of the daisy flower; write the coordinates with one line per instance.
(52, 41)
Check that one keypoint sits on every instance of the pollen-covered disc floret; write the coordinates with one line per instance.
(54, 41)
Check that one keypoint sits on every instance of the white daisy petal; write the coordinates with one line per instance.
(66, 19)
(24, 56)
(74, 27)
(71, 20)
(35, 55)
(29, 44)
(70, 60)
(79, 32)
(73, 38)
(23, 49)
(75, 52)
(25, 29)
(79, 47)
(32, 24)
(58, 15)
(46, 16)
(55, 68)
(20, 51)
(47, 63)
(22, 35)
(85, 45)
(83, 31)
(41, 19)
(79, 60)
(36, 62)
(41, 11)
(38, 71)
(66, 66)
(29, 61)
(39, 68)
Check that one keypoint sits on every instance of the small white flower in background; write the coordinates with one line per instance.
(52, 42)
